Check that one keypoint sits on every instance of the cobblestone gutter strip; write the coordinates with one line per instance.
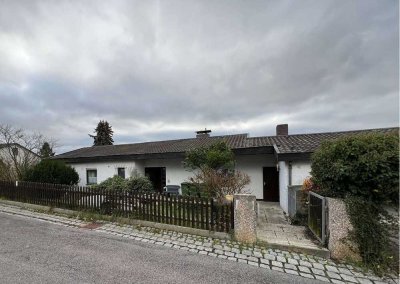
(267, 258)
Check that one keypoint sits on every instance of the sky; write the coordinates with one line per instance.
(158, 70)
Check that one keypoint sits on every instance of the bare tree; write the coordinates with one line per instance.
(18, 151)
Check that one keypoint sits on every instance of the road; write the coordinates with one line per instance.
(35, 251)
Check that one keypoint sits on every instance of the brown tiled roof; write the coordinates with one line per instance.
(297, 143)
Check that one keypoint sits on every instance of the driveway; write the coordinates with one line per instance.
(35, 251)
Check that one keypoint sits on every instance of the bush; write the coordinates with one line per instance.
(52, 171)
(139, 183)
(362, 165)
(363, 170)
(192, 189)
(135, 183)
(113, 183)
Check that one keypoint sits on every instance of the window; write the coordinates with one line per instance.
(91, 176)
(121, 172)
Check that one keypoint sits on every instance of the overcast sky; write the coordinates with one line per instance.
(159, 70)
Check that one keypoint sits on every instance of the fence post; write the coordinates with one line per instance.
(245, 218)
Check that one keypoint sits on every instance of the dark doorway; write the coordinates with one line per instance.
(157, 177)
(271, 184)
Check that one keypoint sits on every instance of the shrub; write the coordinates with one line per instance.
(52, 171)
(192, 189)
(362, 165)
(135, 183)
(362, 169)
(139, 183)
(113, 183)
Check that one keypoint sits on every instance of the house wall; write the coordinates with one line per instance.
(104, 170)
(253, 166)
(300, 170)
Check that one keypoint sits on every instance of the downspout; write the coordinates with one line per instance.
(290, 173)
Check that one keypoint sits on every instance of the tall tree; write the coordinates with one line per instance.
(46, 151)
(103, 135)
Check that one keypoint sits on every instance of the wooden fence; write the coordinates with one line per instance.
(200, 213)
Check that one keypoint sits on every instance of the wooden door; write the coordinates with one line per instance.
(271, 184)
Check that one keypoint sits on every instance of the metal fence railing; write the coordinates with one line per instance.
(317, 215)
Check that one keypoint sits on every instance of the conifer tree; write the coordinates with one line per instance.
(103, 135)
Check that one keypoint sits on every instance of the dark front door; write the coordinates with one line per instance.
(271, 184)
(157, 177)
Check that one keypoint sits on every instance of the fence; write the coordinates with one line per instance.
(200, 213)
(317, 216)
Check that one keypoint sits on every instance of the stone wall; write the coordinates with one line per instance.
(338, 227)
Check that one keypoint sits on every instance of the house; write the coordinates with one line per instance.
(272, 162)
(14, 159)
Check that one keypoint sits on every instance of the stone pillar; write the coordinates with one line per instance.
(245, 216)
(339, 226)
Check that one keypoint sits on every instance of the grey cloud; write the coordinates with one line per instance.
(160, 70)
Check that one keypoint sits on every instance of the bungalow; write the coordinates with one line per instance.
(272, 162)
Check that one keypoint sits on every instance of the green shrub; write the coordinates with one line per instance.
(135, 183)
(52, 171)
(364, 170)
(139, 183)
(192, 189)
(113, 183)
(364, 165)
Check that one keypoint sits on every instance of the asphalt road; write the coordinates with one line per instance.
(34, 251)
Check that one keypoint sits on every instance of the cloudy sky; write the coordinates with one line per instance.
(158, 70)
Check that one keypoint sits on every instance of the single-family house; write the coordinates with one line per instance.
(272, 162)
(14, 159)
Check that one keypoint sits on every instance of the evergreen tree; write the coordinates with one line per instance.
(103, 135)
(46, 151)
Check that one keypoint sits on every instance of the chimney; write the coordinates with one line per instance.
(282, 129)
(203, 133)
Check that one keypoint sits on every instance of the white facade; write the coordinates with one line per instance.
(176, 174)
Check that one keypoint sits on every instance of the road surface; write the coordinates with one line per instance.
(35, 251)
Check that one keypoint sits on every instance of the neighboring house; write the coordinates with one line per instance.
(272, 162)
(14, 159)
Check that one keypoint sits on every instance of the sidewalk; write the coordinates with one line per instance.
(274, 229)
(265, 258)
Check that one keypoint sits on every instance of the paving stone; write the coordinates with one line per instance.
(252, 258)
(307, 275)
(348, 278)
(290, 266)
(247, 252)
(235, 250)
(304, 269)
(257, 254)
(242, 256)
(305, 263)
(292, 261)
(269, 256)
(337, 281)
(321, 278)
(265, 261)
(333, 275)
(364, 281)
(218, 251)
(290, 271)
(281, 258)
(318, 271)
(318, 265)
(227, 253)
(277, 268)
(276, 263)
(253, 263)
(331, 268)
